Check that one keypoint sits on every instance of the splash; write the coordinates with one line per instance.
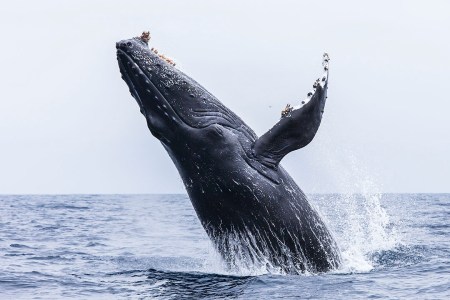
(359, 222)
(364, 229)
(251, 251)
(215, 264)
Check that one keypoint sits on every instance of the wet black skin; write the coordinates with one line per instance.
(242, 196)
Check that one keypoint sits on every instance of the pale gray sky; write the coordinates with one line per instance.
(69, 125)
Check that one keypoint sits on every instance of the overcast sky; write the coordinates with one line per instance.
(69, 125)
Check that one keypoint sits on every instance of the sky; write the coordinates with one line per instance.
(69, 125)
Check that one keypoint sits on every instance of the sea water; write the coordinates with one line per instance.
(394, 246)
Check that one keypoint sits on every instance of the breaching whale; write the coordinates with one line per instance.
(250, 207)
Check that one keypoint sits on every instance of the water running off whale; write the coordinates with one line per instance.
(250, 207)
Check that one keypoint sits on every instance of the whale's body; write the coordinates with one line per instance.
(248, 204)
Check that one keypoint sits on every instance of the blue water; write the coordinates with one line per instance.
(395, 246)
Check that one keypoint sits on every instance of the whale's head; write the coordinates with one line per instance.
(175, 106)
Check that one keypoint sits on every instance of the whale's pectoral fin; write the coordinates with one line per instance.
(297, 127)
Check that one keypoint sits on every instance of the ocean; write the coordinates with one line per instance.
(394, 246)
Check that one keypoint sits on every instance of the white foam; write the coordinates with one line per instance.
(356, 216)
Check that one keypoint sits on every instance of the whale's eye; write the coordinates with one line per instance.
(218, 130)
(215, 131)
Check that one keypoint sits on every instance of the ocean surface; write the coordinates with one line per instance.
(395, 246)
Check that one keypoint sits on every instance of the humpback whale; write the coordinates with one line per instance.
(252, 210)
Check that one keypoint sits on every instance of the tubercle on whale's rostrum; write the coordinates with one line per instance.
(286, 112)
(145, 37)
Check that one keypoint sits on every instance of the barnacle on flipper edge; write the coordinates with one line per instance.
(286, 111)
